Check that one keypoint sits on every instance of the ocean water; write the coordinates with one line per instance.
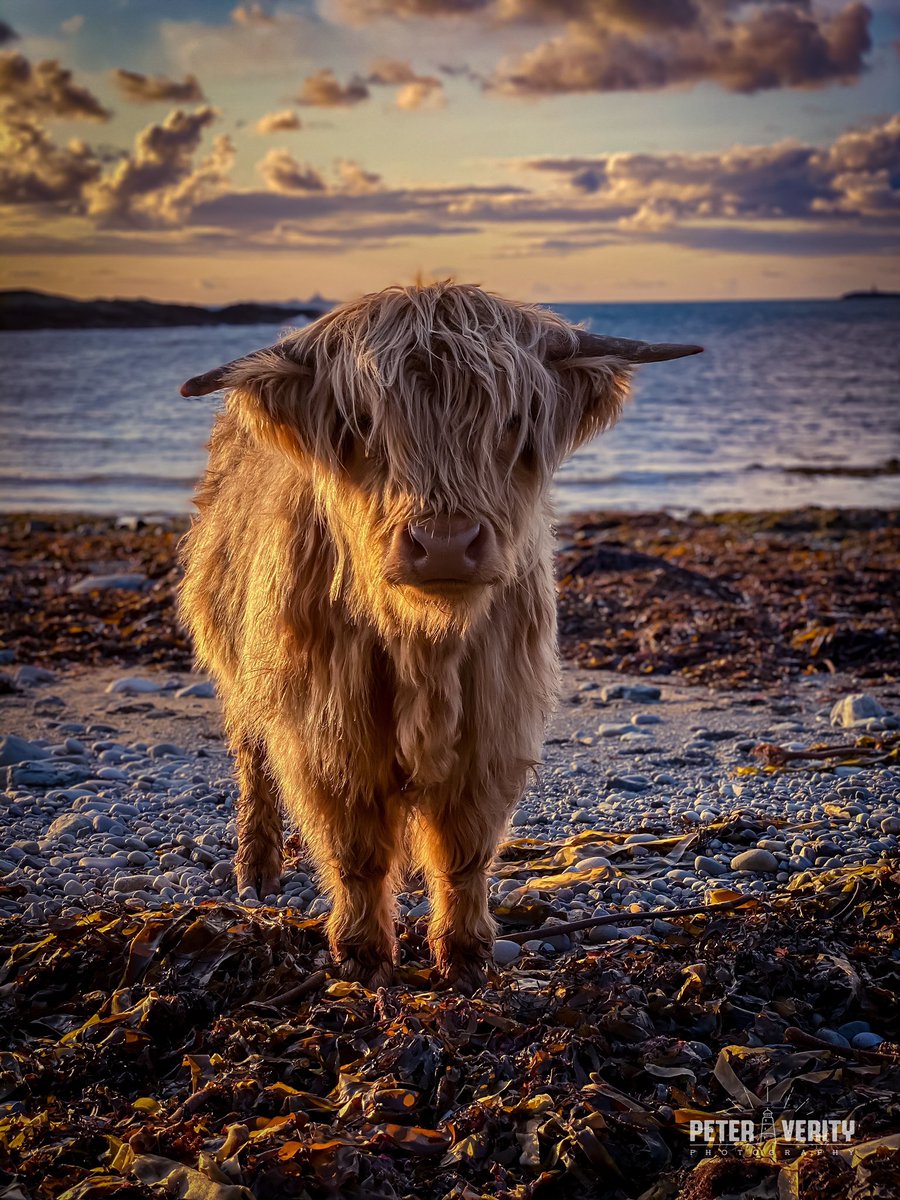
(793, 403)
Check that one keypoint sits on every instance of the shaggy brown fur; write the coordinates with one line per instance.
(383, 717)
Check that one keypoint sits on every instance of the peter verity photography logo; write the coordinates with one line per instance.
(717, 1135)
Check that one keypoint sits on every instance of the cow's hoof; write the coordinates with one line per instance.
(464, 975)
(371, 975)
(263, 882)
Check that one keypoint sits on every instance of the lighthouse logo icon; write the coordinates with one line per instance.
(766, 1126)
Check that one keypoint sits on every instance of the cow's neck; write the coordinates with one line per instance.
(427, 705)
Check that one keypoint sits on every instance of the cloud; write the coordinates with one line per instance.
(45, 90)
(252, 14)
(639, 14)
(640, 45)
(72, 25)
(415, 91)
(157, 182)
(366, 10)
(765, 46)
(283, 174)
(355, 179)
(324, 90)
(277, 122)
(858, 176)
(151, 89)
(36, 171)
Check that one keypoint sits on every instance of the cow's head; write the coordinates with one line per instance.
(430, 421)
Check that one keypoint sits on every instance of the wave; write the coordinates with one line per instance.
(889, 467)
(102, 479)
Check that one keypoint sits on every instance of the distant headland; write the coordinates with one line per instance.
(41, 310)
(872, 294)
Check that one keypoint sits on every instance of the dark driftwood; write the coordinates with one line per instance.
(546, 931)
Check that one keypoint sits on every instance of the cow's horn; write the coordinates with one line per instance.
(598, 345)
(212, 381)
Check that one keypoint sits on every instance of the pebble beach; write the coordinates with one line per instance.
(119, 786)
(119, 791)
(727, 736)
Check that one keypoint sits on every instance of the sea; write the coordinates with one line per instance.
(793, 403)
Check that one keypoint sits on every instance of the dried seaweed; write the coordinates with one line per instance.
(208, 1052)
(734, 598)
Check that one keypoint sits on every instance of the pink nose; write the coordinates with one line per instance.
(445, 548)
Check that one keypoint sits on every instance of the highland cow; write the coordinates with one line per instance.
(370, 583)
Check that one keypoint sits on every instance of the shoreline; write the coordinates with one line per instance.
(731, 599)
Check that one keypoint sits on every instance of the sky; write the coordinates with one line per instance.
(612, 150)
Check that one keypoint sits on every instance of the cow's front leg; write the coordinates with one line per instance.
(457, 844)
(357, 852)
(259, 833)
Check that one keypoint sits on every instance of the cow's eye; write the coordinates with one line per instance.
(514, 424)
(364, 425)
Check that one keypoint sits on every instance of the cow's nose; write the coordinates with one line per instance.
(445, 548)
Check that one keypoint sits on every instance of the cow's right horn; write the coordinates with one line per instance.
(214, 380)
(600, 345)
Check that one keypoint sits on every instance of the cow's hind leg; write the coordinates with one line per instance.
(456, 845)
(260, 842)
(357, 847)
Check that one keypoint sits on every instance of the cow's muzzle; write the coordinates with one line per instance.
(445, 550)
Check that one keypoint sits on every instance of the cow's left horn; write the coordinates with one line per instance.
(212, 381)
(598, 345)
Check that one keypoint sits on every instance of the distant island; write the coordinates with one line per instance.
(872, 294)
(41, 310)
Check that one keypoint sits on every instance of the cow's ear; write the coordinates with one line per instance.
(272, 394)
(592, 393)
(594, 373)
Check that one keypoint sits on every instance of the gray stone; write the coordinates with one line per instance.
(833, 1038)
(33, 676)
(663, 928)
(855, 709)
(14, 749)
(72, 822)
(604, 933)
(203, 689)
(852, 1028)
(754, 860)
(108, 583)
(866, 1040)
(638, 693)
(43, 774)
(133, 685)
(630, 783)
(708, 866)
(506, 952)
(890, 825)
(133, 883)
(166, 750)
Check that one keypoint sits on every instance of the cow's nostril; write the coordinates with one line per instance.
(418, 539)
(444, 548)
(431, 540)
